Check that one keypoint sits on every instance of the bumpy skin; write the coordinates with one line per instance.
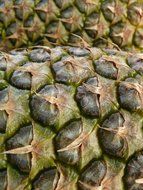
(86, 22)
(71, 119)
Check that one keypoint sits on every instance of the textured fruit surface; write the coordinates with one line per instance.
(88, 22)
(71, 119)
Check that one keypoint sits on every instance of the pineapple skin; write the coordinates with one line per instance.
(71, 119)
(102, 23)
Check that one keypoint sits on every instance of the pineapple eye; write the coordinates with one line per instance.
(42, 110)
(116, 32)
(22, 138)
(21, 79)
(130, 95)
(106, 68)
(136, 62)
(53, 105)
(93, 175)
(56, 32)
(108, 8)
(39, 55)
(72, 71)
(23, 9)
(46, 180)
(40, 10)
(135, 13)
(78, 51)
(86, 6)
(91, 25)
(67, 14)
(112, 141)
(67, 136)
(21, 162)
(87, 99)
(133, 177)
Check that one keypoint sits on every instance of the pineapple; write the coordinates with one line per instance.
(102, 23)
(71, 119)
